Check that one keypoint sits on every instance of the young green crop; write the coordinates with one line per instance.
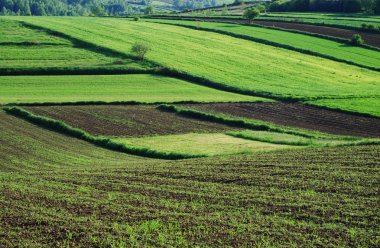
(71, 193)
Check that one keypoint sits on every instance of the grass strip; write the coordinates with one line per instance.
(231, 20)
(274, 44)
(268, 140)
(107, 143)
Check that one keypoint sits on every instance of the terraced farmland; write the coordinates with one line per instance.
(231, 65)
(123, 133)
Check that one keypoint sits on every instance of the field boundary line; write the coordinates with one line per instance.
(63, 128)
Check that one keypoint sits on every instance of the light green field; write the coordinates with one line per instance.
(289, 139)
(201, 144)
(108, 88)
(244, 64)
(272, 137)
(14, 32)
(337, 50)
(359, 105)
(25, 48)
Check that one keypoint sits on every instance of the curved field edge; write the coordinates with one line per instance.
(107, 143)
(272, 42)
(254, 87)
(205, 144)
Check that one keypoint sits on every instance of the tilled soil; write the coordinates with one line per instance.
(126, 121)
(371, 39)
(301, 116)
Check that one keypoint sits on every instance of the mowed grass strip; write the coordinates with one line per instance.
(89, 196)
(108, 88)
(201, 144)
(369, 106)
(357, 55)
(255, 67)
(127, 121)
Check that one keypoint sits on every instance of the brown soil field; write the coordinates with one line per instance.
(299, 115)
(126, 121)
(371, 39)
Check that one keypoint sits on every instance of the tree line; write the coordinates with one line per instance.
(93, 7)
(347, 6)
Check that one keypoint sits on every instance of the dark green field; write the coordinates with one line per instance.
(221, 135)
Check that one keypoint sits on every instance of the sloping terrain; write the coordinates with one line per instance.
(242, 64)
(70, 193)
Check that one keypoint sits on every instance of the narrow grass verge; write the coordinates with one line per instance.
(107, 143)
(268, 139)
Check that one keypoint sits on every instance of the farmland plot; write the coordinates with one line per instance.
(298, 115)
(242, 64)
(127, 121)
(108, 88)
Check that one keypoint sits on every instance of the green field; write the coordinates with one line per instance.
(357, 55)
(108, 88)
(103, 198)
(243, 64)
(210, 140)
(369, 106)
(25, 48)
(201, 144)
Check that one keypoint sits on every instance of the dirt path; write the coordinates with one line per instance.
(302, 116)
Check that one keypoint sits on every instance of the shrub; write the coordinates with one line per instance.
(140, 49)
(251, 14)
(356, 40)
(136, 18)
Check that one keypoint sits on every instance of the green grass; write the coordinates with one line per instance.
(289, 139)
(108, 88)
(325, 47)
(70, 193)
(25, 48)
(369, 106)
(200, 144)
(243, 64)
